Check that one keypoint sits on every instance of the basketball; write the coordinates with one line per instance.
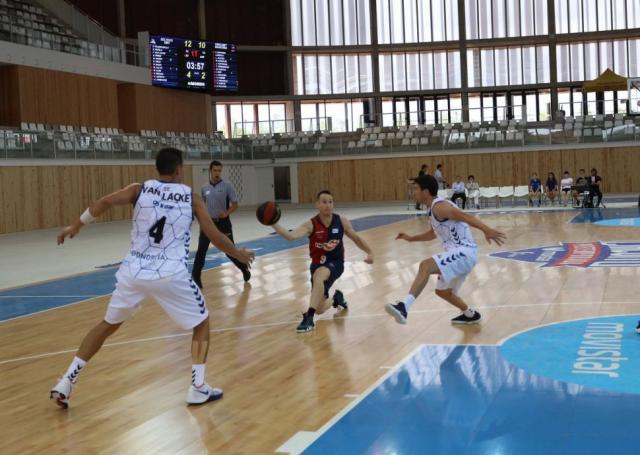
(268, 213)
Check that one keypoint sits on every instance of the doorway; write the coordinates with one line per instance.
(282, 183)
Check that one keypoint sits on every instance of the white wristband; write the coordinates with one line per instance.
(86, 217)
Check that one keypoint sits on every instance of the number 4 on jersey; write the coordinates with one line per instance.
(156, 230)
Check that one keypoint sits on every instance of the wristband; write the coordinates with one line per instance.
(86, 217)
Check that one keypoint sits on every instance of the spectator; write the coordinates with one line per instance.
(458, 192)
(535, 189)
(594, 188)
(582, 185)
(473, 188)
(565, 186)
(440, 177)
(551, 187)
(424, 170)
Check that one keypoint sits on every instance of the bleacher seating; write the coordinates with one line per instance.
(26, 23)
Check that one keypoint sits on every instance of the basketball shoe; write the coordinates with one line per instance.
(339, 301)
(307, 324)
(462, 319)
(638, 327)
(398, 311)
(62, 392)
(203, 394)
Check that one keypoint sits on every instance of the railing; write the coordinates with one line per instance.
(94, 41)
(280, 126)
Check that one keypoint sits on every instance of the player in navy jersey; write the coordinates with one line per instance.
(451, 226)
(326, 248)
(155, 267)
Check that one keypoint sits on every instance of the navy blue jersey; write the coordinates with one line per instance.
(325, 243)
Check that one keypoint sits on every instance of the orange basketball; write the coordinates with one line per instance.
(268, 213)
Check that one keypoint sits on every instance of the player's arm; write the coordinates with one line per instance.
(424, 237)
(126, 195)
(442, 211)
(304, 230)
(220, 240)
(359, 241)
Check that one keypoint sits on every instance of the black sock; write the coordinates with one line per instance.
(311, 312)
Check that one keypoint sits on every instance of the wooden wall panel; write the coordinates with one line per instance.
(9, 96)
(144, 107)
(385, 179)
(40, 197)
(59, 98)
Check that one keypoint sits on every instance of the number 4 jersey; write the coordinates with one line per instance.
(161, 233)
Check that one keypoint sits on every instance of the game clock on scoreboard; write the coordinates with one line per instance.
(181, 63)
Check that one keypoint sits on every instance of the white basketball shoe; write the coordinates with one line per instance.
(203, 394)
(62, 392)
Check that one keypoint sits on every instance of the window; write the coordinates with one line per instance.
(487, 19)
(412, 21)
(586, 61)
(576, 16)
(324, 74)
(489, 67)
(330, 22)
(221, 119)
(401, 71)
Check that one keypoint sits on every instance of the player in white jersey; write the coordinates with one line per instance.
(450, 225)
(155, 267)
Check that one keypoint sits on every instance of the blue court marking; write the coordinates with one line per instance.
(57, 293)
(469, 400)
(598, 352)
(630, 222)
(608, 216)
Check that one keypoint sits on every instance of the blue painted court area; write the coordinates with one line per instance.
(627, 216)
(470, 400)
(53, 294)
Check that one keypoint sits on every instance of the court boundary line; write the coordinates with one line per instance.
(332, 318)
(327, 426)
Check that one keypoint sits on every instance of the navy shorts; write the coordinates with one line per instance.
(335, 268)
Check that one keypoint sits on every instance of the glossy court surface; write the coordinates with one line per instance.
(529, 379)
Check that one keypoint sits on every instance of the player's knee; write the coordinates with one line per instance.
(444, 293)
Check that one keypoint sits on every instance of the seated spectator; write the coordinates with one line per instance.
(535, 189)
(594, 188)
(458, 192)
(565, 186)
(582, 186)
(551, 187)
(473, 188)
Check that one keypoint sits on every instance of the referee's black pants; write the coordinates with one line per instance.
(224, 226)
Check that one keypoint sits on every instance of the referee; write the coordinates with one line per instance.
(221, 200)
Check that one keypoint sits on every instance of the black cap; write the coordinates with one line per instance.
(427, 182)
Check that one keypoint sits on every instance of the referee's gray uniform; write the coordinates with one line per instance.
(217, 197)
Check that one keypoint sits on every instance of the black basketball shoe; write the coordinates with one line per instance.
(462, 319)
(638, 327)
(398, 311)
(246, 274)
(307, 324)
(339, 301)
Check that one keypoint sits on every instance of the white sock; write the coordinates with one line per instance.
(408, 301)
(73, 371)
(469, 312)
(197, 374)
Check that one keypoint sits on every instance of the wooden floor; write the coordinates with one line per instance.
(130, 398)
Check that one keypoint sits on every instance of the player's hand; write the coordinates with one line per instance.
(69, 231)
(403, 236)
(369, 259)
(245, 256)
(495, 236)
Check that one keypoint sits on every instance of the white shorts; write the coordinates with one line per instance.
(178, 296)
(454, 267)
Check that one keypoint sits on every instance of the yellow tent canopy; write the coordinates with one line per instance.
(606, 81)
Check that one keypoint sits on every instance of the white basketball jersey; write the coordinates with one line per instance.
(161, 233)
(452, 234)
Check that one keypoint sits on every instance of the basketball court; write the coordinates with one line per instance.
(360, 383)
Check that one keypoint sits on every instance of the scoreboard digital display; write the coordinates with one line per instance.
(193, 64)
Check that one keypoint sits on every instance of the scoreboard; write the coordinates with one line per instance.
(193, 64)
